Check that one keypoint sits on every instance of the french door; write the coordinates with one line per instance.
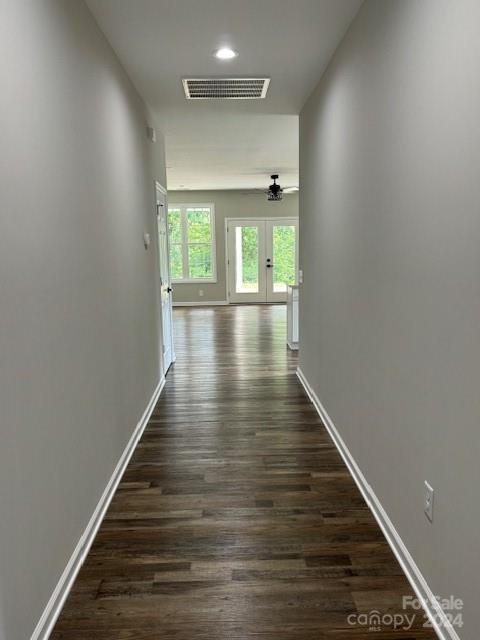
(262, 258)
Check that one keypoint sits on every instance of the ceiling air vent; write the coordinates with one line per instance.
(225, 88)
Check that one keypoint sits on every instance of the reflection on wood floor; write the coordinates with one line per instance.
(236, 517)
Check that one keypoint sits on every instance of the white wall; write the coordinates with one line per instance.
(228, 204)
(389, 244)
(79, 324)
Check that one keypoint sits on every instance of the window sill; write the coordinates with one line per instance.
(196, 281)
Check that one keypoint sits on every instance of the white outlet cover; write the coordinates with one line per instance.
(146, 240)
(200, 292)
(428, 501)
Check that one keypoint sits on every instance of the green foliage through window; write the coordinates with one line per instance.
(176, 267)
(191, 242)
(250, 254)
(283, 257)
(198, 222)
(200, 260)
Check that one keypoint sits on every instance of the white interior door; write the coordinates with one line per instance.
(261, 258)
(281, 256)
(165, 283)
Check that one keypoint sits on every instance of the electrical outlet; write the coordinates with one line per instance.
(428, 501)
(200, 293)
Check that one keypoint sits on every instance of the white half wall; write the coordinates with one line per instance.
(389, 247)
(79, 322)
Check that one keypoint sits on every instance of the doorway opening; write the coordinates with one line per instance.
(262, 258)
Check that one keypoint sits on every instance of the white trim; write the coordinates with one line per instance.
(61, 591)
(286, 217)
(160, 187)
(195, 281)
(227, 262)
(207, 303)
(441, 625)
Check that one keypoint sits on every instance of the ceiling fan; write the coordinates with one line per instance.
(274, 192)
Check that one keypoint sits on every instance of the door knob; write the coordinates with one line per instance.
(169, 289)
(269, 265)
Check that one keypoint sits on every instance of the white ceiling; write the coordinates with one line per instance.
(226, 144)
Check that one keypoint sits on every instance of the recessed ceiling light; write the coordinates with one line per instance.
(225, 53)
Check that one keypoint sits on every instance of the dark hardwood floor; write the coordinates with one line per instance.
(236, 517)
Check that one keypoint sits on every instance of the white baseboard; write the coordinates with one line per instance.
(54, 606)
(436, 614)
(206, 303)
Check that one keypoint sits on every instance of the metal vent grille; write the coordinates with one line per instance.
(225, 88)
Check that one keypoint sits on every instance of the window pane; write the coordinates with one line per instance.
(176, 262)
(174, 225)
(198, 221)
(246, 256)
(283, 257)
(200, 261)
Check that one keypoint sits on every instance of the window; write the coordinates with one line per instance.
(191, 229)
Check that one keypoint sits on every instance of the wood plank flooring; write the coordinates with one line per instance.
(236, 517)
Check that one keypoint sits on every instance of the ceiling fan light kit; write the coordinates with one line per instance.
(275, 191)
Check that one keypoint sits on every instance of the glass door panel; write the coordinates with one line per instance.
(281, 257)
(246, 259)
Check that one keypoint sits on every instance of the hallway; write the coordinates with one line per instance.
(236, 517)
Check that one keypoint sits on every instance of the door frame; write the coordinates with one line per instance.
(256, 219)
(159, 187)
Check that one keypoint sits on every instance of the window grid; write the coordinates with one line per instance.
(185, 243)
